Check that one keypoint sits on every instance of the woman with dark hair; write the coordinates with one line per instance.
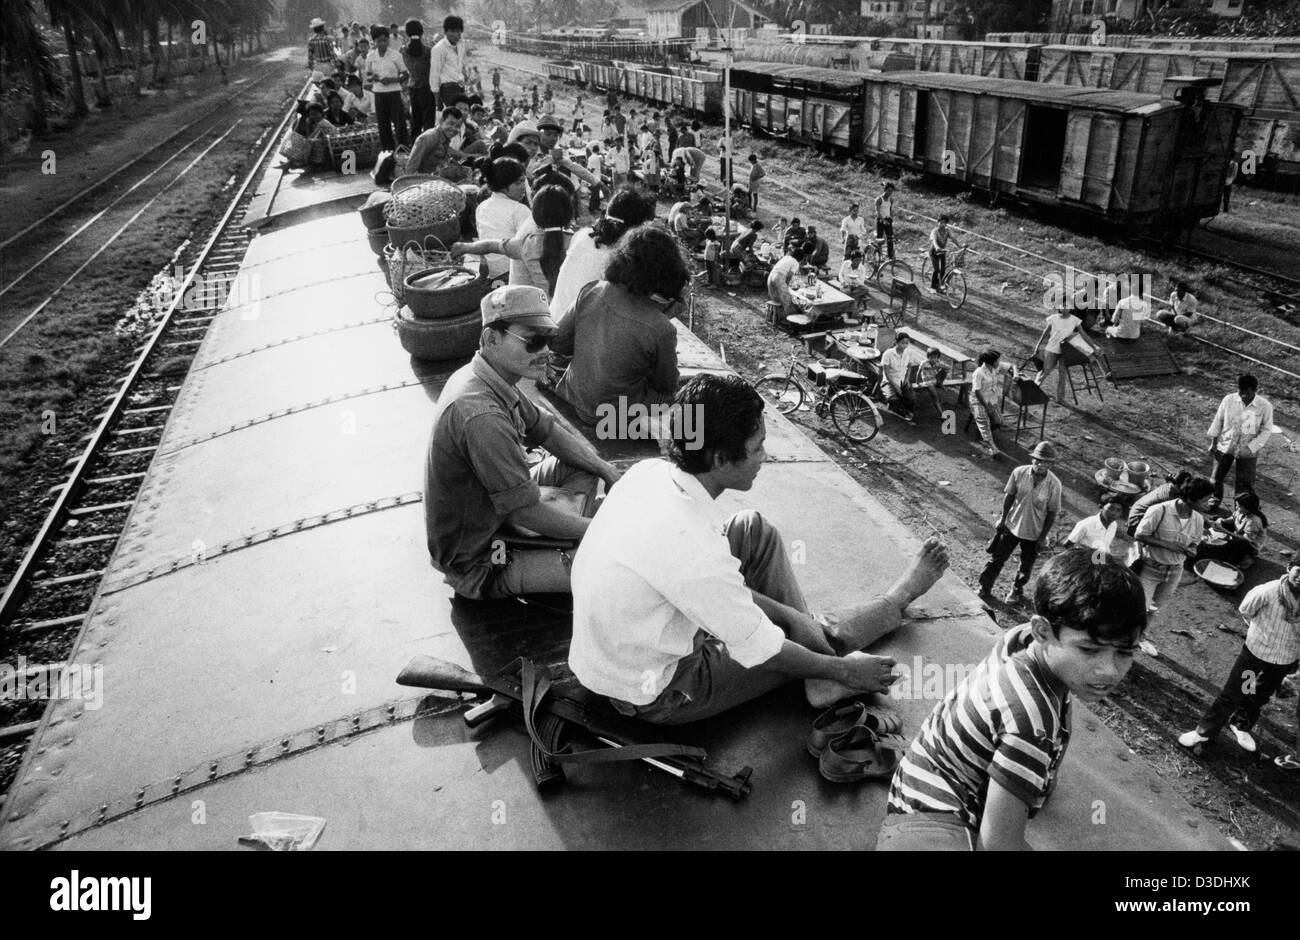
(620, 334)
(503, 214)
(540, 246)
(1241, 536)
(1167, 536)
(590, 248)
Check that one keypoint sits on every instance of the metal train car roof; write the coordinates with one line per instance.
(273, 578)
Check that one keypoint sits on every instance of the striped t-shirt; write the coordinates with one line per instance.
(1008, 721)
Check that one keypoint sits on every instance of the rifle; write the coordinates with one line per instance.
(525, 687)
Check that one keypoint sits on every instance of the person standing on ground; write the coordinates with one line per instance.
(1271, 652)
(1061, 326)
(1167, 536)
(756, 173)
(853, 228)
(986, 399)
(447, 63)
(1240, 429)
(885, 216)
(496, 80)
(1098, 531)
(1029, 510)
(424, 112)
(386, 73)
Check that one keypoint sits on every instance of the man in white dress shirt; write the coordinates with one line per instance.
(680, 613)
(447, 65)
(1241, 427)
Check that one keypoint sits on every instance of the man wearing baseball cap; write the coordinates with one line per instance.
(478, 489)
(1032, 503)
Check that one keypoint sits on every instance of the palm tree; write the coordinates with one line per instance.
(24, 42)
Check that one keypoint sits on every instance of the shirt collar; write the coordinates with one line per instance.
(691, 487)
(502, 389)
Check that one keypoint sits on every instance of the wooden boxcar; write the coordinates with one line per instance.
(822, 107)
(1266, 85)
(564, 70)
(1134, 41)
(990, 59)
(1140, 160)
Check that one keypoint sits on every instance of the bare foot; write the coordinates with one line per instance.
(877, 676)
(926, 568)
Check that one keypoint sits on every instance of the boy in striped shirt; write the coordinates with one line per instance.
(986, 759)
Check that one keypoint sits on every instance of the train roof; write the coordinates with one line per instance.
(788, 71)
(1097, 99)
(1240, 55)
(273, 577)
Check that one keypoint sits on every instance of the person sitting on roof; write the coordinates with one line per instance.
(335, 113)
(681, 613)
(477, 484)
(620, 331)
(435, 149)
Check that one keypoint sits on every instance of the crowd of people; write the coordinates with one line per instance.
(680, 612)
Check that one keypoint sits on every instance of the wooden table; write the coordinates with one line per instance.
(824, 303)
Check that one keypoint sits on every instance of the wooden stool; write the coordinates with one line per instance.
(796, 322)
(772, 311)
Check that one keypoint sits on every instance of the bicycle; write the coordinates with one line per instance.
(953, 284)
(835, 390)
(892, 268)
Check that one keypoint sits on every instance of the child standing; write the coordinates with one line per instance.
(712, 254)
(986, 759)
(756, 173)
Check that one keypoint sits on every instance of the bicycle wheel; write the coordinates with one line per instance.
(893, 270)
(956, 289)
(782, 392)
(855, 416)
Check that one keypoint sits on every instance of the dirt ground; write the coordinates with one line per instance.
(940, 482)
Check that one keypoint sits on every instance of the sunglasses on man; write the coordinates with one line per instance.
(533, 344)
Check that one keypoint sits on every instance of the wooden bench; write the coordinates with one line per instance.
(962, 364)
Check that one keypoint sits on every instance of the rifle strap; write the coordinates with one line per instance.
(536, 685)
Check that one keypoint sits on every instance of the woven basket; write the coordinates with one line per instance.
(438, 339)
(435, 302)
(410, 258)
(437, 234)
(319, 153)
(295, 148)
(363, 142)
(428, 203)
(378, 238)
(372, 213)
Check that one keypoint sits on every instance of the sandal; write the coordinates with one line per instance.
(1288, 761)
(861, 754)
(843, 717)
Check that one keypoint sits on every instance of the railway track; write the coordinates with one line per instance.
(95, 231)
(47, 599)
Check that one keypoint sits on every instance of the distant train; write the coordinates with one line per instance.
(1145, 161)
(1263, 76)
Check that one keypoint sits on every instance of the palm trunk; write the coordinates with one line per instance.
(137, 50)
(102, 98)
(40, 124)
(74, 60)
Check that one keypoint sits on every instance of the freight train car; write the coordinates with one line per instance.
(564, 70)
(821, 107)
(1266, 85)
(690, 88)
(1133, 41)
(1137, 160)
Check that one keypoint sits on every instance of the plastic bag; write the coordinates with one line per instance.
(284, 832)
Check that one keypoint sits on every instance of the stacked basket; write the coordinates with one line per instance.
(361, 142)
(431, 208)
(441, 316)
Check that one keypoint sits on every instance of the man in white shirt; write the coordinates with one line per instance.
(385, 71)
(447, 63)
(1182, 309)
(1240, 429)
(357, 101)
(853, 274)
(895, 364)
(680, 613)
(1126, 321)
(1098, 531)
(853, 228)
